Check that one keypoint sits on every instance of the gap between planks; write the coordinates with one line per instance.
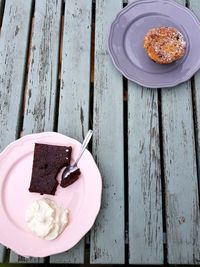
(2, 6)
(162, 175)
(57, 101)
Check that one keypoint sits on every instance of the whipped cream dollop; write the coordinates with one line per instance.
(46, 219)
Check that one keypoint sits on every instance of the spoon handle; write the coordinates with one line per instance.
(84, 145)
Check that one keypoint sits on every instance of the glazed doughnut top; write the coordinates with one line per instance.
(164, 44)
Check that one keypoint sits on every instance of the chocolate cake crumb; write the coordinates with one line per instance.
(70, 179)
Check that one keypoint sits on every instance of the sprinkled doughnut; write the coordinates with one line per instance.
(164, 44)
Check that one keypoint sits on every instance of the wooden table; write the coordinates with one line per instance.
(56, 75)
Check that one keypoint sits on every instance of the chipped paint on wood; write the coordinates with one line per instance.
(14, 258)
(42, 78)
(182, 196)
(2, 253)
(75, 73)
(182, 201)
(145, 193)
(13, 48)
(107, 236)
(43, 68)
(75, 88)
(74, 255)
(195, 7)
(2, 248)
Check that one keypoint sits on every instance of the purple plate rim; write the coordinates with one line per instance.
(136, 79)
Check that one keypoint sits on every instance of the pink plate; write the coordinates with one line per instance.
(83, 198)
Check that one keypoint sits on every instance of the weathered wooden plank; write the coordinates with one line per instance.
(195, 7)
(75, 88)
(13, 48)
(182, 202)
(145, 193)
(181, 2)
(14, 258)
(145, 196)
(42, 78)
(2, 253)
(107, 237)
(2, 249)
(41, 88)
(72, 256)
(75, 74)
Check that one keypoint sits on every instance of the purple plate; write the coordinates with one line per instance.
(126, 36)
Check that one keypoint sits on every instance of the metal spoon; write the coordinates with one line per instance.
(71, 168)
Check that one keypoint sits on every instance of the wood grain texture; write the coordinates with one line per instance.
(75, 88)
(75, 73)
(145, 193)
(2, 249)
(195, 7)
(181, 2)
(182, 201)
(2, 253)
(14, 258)
(107, 237)
(72, 256)
(42, 78)
(39, 114)
(13, 48)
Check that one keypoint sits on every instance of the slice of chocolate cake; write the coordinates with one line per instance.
(47, 162)
(71, 178)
